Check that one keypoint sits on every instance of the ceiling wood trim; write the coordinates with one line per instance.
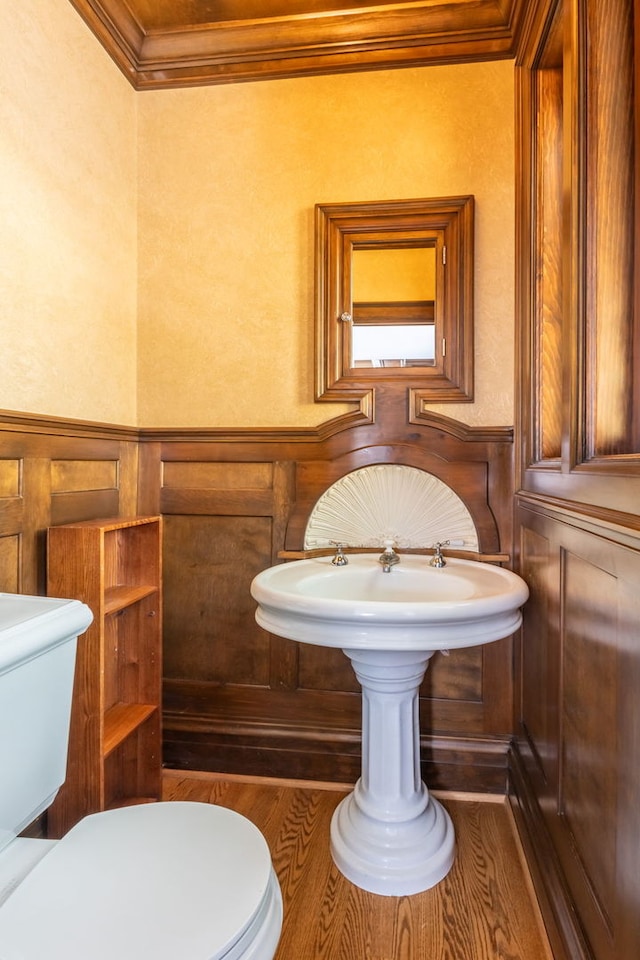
(353, 38)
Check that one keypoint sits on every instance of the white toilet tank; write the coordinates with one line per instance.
(162, 880)
(37, 660)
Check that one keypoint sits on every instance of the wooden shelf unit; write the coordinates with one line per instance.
(115, 745)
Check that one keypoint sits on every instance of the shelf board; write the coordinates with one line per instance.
(117, 598)
(121, 720)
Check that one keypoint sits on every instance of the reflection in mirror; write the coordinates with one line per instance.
(393, 291)
(394, 298)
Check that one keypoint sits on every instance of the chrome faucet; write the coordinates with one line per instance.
(389, 557)
(339, 560)
(437, 560)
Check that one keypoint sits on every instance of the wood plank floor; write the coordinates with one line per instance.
(483, 910)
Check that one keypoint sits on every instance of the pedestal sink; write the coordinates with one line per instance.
(390, 836)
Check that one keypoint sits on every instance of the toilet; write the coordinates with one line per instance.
(159, 880)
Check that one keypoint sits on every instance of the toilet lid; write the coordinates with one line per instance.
(163, 880)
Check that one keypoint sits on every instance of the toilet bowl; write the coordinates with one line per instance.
(170, 880)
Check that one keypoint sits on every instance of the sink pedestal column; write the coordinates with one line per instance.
(390, 836)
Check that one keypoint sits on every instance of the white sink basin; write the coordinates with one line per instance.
(389, 836)
(412, 607)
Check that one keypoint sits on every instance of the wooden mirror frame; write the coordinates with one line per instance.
(339, 228)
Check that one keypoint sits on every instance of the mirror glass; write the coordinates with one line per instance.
(393, 294)
(394, 298)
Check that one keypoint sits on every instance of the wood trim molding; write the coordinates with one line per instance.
(417, 551)
(11, 420)
(419, 413)
(324, 431)
(615, 524)
(163, 49)
(34, 423)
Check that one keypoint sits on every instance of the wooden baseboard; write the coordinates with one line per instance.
(461, 795)
(172, 774)
(211, 745)
(558, 911)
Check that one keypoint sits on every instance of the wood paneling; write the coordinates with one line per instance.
(51, 472)
(69, 476)
(540, 658)
(164, 44)
(549, 293)
(9, 479)
(210, 632)
(236, 699)
(576, 764)
(613, 425)
(9, 563)
(454, 677)
(239, 700)
(11, 516)
(217, 476)
(587, 799)
(580, 713)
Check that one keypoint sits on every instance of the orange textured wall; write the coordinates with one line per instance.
(68, 210)
(229, 176)
(157, 248)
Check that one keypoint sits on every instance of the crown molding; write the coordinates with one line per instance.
(155, 47)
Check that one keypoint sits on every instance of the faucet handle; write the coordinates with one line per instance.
(389, 557)
(437, 560)
(339, 560)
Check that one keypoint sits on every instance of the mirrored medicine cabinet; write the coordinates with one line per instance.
(394, 297)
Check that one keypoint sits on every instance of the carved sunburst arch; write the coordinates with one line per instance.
(412, 507)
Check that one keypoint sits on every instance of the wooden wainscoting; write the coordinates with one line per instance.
(237, 700)
(54, 471)
(575, 770)
(240, 701)
(576, 765)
